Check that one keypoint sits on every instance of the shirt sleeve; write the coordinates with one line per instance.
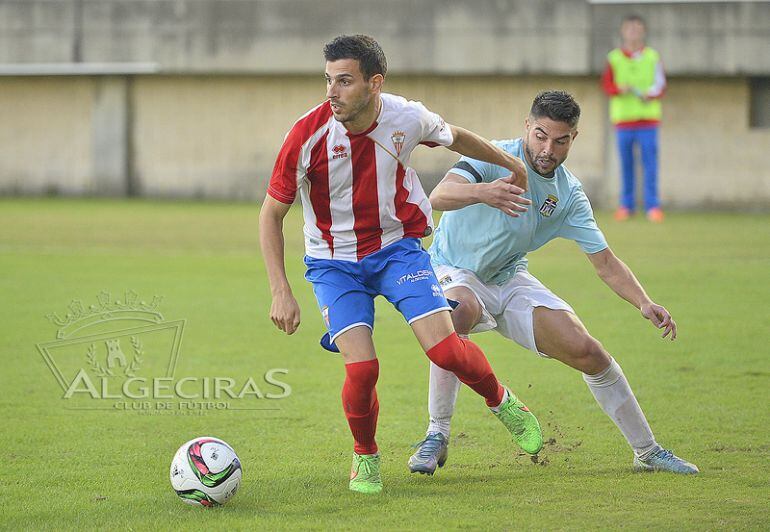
(435, 132)
(476, 171)
(608, 81)
(473, 170)
(580, 225)
(659, 86)
(288, 170)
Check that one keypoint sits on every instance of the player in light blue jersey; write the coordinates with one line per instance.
(479, 256)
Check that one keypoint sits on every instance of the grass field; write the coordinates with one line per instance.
(85, 463)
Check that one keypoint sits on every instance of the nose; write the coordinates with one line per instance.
(331, 90)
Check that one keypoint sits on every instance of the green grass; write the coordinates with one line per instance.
(707, 395)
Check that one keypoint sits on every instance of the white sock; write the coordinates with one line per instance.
(496, 409)
(614, 395)
(442, 394)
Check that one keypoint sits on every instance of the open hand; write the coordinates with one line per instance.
(661, 318)
(504, 195)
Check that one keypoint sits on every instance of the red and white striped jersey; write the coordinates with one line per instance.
(357, 190)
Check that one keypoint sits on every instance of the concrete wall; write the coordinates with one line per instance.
(46, 135)
(714, 39)
(425, 36)
(232, 75)
(217, 137)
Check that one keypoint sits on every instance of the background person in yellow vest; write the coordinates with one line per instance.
(635, 82)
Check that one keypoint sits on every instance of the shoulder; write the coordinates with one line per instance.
(615, 53)
(402, 107)
(310, 123)
(652, 52)
(512, 146)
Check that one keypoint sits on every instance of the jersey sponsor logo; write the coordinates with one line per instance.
(419, 275)
(445, 280)
(398, 138)
(340, 152)
(549, 205)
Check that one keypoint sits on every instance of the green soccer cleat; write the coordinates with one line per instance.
(365, 473)
(521, 423)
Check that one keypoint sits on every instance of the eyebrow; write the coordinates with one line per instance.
(338, 76)
(541, 130)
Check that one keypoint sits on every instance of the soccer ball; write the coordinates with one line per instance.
(205, 472)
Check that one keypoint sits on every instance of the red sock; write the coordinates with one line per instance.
(359, 399)
(466, 360)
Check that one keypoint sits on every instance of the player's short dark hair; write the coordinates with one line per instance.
(633, 17)
(559, 106)
(371, 58)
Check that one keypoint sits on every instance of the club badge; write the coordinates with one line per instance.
(549, 205)
(398, 138)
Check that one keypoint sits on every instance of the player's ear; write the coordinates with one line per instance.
(376, 81)
(574, 134)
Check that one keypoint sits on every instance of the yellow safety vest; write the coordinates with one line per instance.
(639, 73)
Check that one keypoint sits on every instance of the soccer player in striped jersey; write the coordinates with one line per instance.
(479, 254)
(365, 212)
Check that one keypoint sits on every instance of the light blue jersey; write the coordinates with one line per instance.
(492, 244)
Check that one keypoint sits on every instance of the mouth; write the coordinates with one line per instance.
(336, 107)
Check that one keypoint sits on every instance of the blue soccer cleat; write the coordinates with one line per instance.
(664, 460)
(431, 453)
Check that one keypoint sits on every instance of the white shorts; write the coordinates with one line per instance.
(507, 307)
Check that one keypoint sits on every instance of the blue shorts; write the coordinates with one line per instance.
(401, 272)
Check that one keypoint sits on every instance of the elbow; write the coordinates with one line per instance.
(605, 263)
(457, 138)
(435, 200)
(605, 274)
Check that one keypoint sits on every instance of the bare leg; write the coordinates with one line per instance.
(561, 335)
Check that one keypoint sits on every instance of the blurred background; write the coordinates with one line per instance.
(192, 98)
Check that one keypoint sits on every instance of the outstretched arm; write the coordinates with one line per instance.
(455, 192)
(476, 147)
(284, 310)
(622, 280)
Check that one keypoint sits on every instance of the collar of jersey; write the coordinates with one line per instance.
(363, 133)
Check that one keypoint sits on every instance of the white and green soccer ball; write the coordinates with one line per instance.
(205, 472)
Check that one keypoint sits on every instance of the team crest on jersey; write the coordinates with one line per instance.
(445, 280)
(339, 151)
(549, 205)
(398, 138)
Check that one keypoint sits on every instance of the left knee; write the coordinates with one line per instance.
(589, 356)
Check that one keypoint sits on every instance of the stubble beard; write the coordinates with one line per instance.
(354, 112)
(533, 161)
